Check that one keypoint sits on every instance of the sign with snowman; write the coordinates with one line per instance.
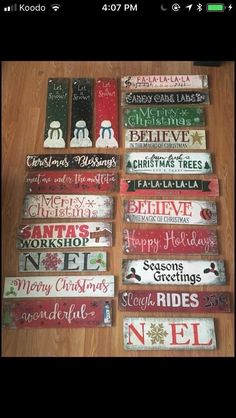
(82, 112)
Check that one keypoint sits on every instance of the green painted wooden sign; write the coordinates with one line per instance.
(56, 113)
(149, 117)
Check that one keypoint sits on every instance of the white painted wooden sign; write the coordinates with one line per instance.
(59, 286)
(64, 235)
(67, 206)
(173, 272)
(85, 261)
(170, 212)
(168, 163)
(169, 334)
(155, 82)
(165, 138)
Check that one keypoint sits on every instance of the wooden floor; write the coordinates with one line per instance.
(24, 98)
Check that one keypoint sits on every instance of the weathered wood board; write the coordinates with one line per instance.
(72, 161)
(155, 82)
(164, 98)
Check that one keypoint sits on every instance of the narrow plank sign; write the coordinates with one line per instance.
(155, 82)
(64, 235)
(172, 241)
(106, 97)
(164, 98)
(56, 113)
(170, 212)
(67, 206)
(59, 286)
(70, 182)
(174, 272)
(154, 117)
(59, 261)
(166, 162)
(82, 112)
(152, 301)
(72, 161)
(160, 138)
(169, 334)
(170, 187)
(57, 313)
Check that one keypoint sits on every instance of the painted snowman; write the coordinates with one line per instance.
(54, 138)
(81, 135)
(106, 136)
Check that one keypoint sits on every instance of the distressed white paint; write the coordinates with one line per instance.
(177, 334)
(152, 82)
(59, 286)
(174, 272)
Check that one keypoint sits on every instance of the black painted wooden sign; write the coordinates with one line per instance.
(82, 112)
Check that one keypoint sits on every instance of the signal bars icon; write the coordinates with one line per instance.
(12, 8)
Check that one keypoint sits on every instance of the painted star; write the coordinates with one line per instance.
(197, 138)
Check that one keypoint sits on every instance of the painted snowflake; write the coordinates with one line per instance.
(51, 261)
(157, 333)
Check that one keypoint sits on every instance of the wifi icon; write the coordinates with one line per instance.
(55, 7)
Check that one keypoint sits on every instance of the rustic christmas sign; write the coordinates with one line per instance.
(59, 286)
(57, 313)
(106, 97)
(58, 261)
(82, 112)
(174, 272)
(72, 161)
(153, 301)
(56, 113)
(154, 117)
(70, 182)
(164, 98)
(64, 235)
(160, 138)
(170, 212)
(168, 163)
(155, 82)
(170, 241)
(170, 187)
(67, 206)
(169, 334)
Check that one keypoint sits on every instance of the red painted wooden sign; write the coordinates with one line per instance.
(67, 206)
(70, 182)
(79, 313)
(170, 187)
(106, 97)
(65, 235)
(169, 334)
(190, 212)
(172, 241)
(162, 301)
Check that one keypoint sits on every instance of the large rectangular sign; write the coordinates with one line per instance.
(163, 301)
(59, 286)
(155, 82)
(154, 117)
(174, 272)
(85, 261)
(55, 135)
(57, 313)
(170, 187)
(170, 212)
(165, 138)
(164, 98)
(70, 182)
(106, 105)
(82, 113)
(72, 161)
(168, 163)
(169, 334)
(170, 241)
(64, 235)
(67, 206)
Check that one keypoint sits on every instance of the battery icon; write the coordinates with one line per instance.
(213, 7)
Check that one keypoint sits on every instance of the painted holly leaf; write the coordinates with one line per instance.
(7, 320)
(157, 333)
(98, 260)
(11, 292)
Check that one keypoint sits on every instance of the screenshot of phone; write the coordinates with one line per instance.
(117, 179)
